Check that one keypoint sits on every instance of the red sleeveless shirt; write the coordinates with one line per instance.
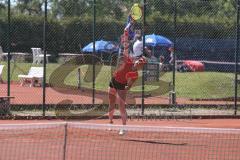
(120, 74)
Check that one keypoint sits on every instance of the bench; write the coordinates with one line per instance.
(34, 77)
(1, 69)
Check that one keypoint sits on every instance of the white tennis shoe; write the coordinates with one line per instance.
(122, 132)
(109, 127)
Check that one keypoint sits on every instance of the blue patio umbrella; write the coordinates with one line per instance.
(154, 40)
(101, 46)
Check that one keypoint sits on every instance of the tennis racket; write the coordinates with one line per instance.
(136, 12)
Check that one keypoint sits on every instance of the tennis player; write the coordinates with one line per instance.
(127, 72)
(122, 80)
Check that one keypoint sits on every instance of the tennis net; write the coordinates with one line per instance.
(74, 141)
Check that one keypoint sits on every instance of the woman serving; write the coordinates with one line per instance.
(122, 80)
(127, 72)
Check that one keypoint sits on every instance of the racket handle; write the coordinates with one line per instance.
(127, 27)
(126, 33)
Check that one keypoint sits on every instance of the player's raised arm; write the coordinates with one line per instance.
(125, 43)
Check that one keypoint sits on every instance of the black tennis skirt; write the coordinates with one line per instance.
(115, 84)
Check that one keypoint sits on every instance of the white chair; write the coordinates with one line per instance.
(1, 69)
(2, 54)
(34, 77)
(38, 56)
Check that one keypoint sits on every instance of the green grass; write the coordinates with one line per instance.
(189, 84)
(205, 84)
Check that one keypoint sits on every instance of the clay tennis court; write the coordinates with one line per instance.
(87, 140)
(24, 95)
(41, 139)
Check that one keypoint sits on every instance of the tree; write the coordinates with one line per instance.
(30, 7)
(3, 4)
(67, 8)
(226, 8)
(3, 8)
(104, 8)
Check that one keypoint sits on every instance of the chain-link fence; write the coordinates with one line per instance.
(54, 64)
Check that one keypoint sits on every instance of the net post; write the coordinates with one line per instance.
(172, 98)
(65, 140)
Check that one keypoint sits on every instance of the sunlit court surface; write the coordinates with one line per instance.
(97, 140)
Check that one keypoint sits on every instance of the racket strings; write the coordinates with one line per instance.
(136, 12)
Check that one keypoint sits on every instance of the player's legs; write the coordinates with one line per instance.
(112, 101)
(122, 100)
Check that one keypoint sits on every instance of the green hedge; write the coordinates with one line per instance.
(68, 34)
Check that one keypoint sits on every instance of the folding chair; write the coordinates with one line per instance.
(2, 54)
(38, 56)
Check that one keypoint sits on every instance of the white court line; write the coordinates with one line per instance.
(153, 128)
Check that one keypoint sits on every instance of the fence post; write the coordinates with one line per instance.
(174, 44)
(143, 77)
(79, 78)
(9, 48)
(172, 94)
(44, 60)
(236, 60)
(94, 50)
